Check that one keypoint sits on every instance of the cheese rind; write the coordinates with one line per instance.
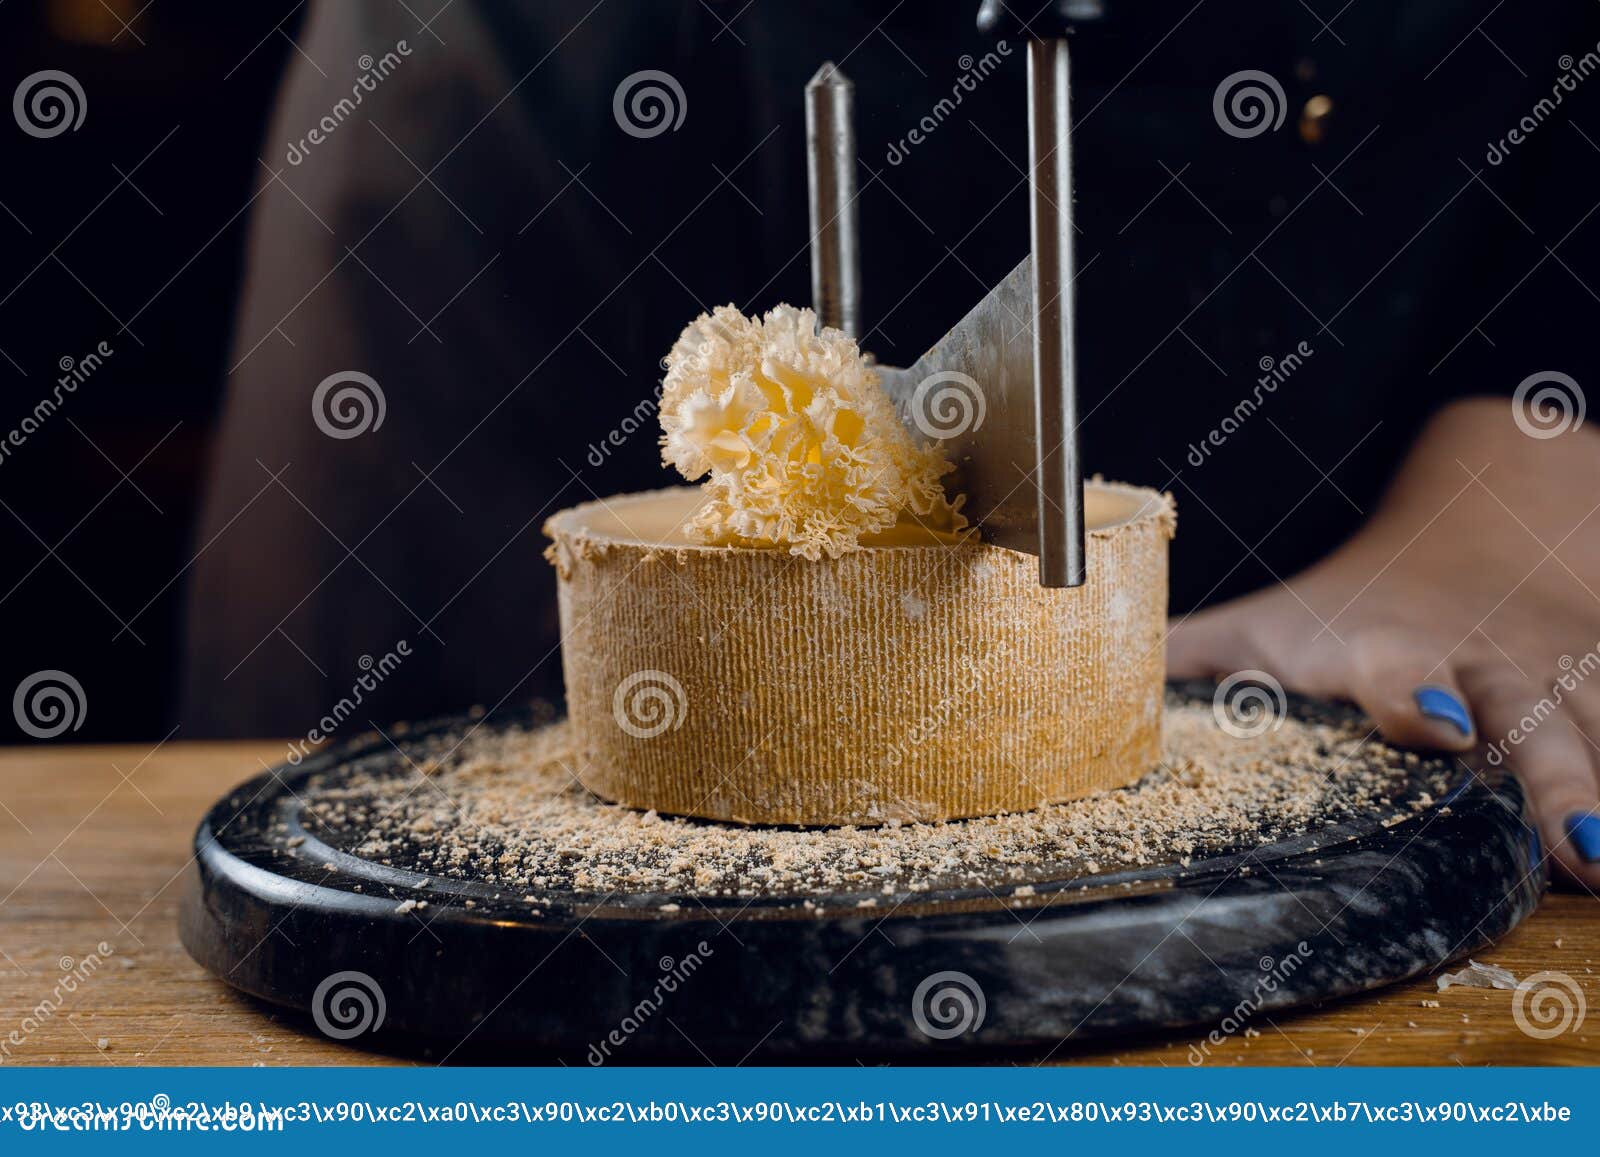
(799, 446)
(894, 683)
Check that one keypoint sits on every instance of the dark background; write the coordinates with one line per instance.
(100, 502)
(131, 231)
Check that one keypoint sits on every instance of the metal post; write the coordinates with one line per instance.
(1058, 467)
(831, 176)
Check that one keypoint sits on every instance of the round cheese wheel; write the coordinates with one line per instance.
(914, 679)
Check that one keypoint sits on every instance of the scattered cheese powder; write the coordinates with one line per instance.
(505, 808)
(802, 447)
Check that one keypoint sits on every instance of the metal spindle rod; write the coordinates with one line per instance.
(1058, 467)
(831, 176)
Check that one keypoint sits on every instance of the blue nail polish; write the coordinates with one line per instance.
(1440, 703)
(1583, 829)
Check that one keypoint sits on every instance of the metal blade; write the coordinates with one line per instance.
(974, 393)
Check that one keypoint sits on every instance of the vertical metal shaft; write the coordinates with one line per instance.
(1058, 468)
(831, 178)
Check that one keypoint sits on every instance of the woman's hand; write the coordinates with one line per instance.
(1466, 609)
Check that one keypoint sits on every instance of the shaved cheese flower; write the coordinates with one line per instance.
(802, 447)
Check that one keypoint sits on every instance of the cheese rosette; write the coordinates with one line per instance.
(798, 444)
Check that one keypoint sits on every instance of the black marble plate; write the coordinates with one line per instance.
(1218, 944)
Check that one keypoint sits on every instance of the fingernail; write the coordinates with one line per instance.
(1443, 704)
(1583, 829)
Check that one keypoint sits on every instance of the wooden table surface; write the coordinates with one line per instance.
(94, 848)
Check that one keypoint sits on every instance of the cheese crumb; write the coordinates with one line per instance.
(802, 448)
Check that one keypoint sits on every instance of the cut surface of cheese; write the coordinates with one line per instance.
(922, 676)
(664, 518)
